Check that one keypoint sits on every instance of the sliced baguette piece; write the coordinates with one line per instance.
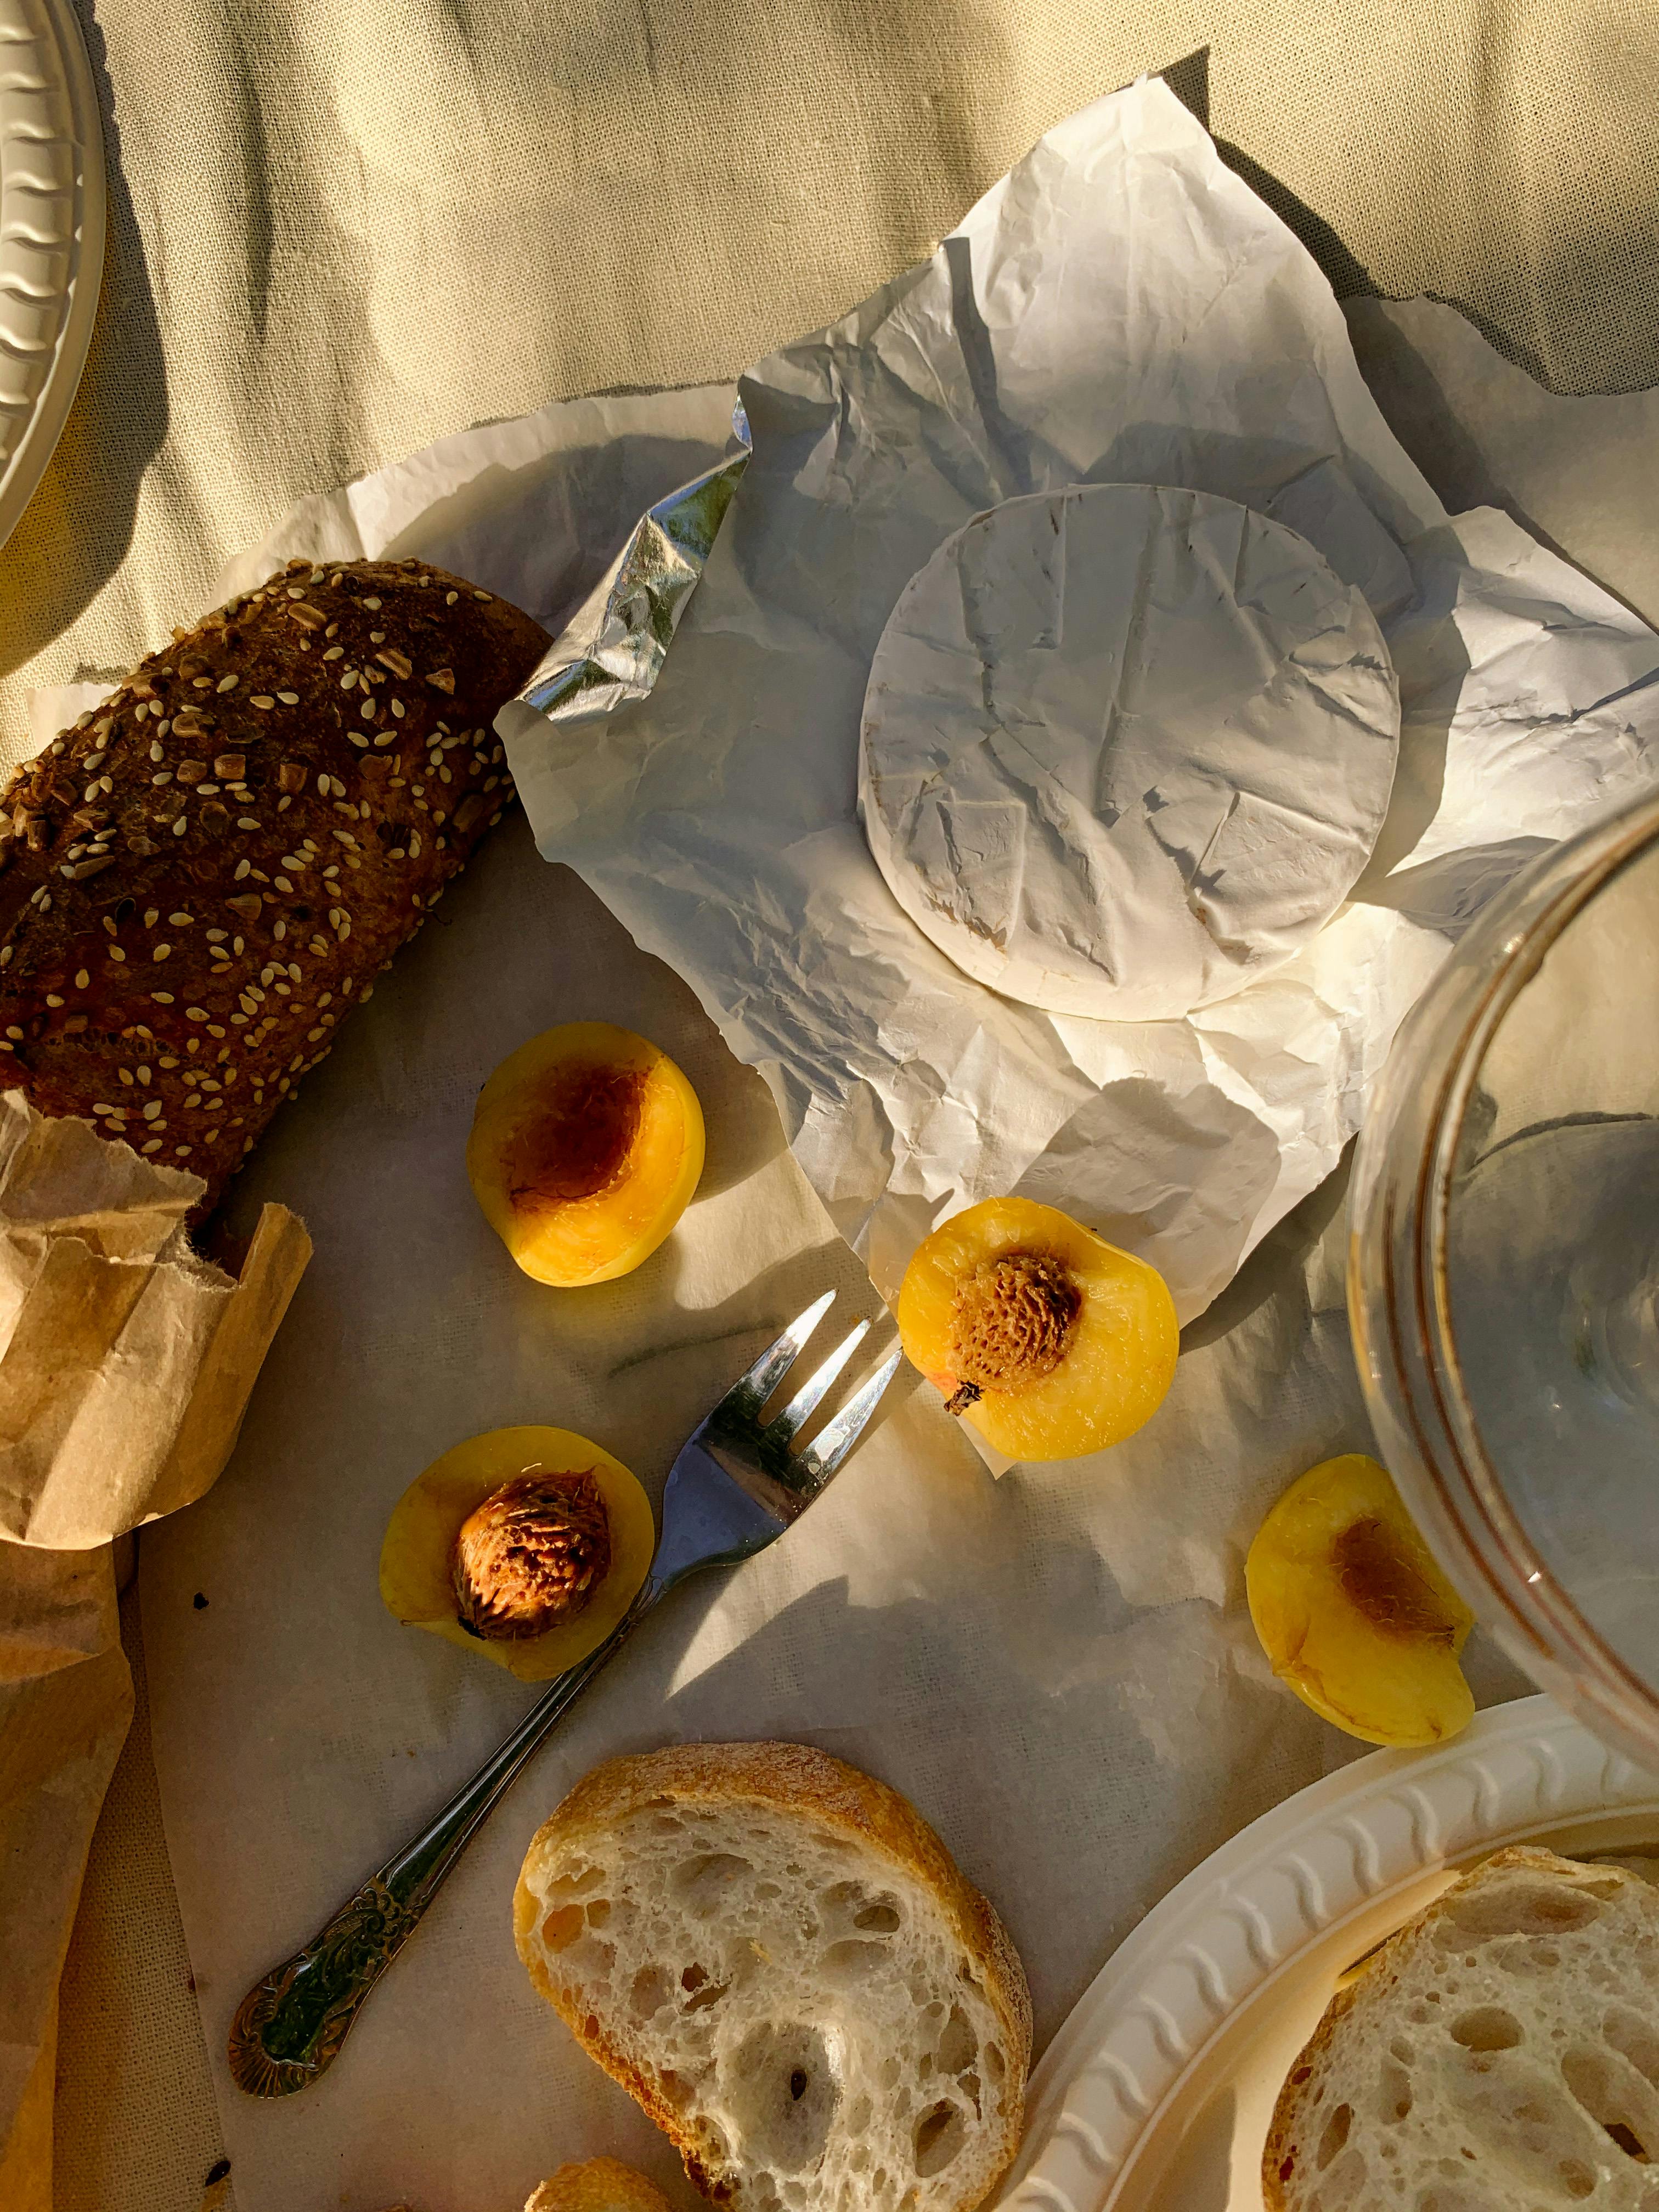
(598, 2185)
(776, 1956)
(1499, 2054)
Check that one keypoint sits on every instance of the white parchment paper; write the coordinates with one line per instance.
(1058, 1667)
(1121, 307)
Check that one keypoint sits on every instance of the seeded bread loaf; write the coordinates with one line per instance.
(775, 1955)
(1499, 2054)
(201, 878)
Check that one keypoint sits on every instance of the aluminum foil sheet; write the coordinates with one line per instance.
(613, 648)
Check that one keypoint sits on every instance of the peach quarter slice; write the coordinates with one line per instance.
(587, 1146)
(419, 1541)
(1353, 1610)
(1051, 1341)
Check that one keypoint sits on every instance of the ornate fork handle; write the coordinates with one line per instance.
(735, 1487)
(289, 2026)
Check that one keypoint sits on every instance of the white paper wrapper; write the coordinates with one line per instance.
(1120, 307)
(1124, 747)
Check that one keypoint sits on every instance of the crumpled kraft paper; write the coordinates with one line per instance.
(65, 1702)
(93, 1261)
(126, 1366)
(126, 1359)
(1119, 308)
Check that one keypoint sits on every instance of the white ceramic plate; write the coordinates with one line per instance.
(52, 236)
(1156, 2094)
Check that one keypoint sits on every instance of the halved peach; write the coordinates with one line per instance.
(425, 1556)
(1352, 1611)
(1051, 1341)
(587, 1146)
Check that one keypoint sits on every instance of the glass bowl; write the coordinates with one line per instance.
(1504, 1272)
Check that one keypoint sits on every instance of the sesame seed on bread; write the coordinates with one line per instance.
(199, 879)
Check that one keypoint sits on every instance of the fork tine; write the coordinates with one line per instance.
(759, 1381)
(836, 1439)
(795, 1414)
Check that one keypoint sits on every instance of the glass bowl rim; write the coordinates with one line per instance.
(1446, 1040)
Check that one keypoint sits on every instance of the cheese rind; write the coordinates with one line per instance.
(1126, 747)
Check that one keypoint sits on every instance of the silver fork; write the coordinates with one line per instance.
(734, 1488)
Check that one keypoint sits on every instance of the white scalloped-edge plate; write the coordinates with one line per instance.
(52, 236)
(1156, 2094)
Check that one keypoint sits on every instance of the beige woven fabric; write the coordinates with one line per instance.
(337, 231)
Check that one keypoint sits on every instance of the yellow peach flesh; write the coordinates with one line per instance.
(418, 1550)
(1352, 1611)
(1069, 1344)
(587, 1146)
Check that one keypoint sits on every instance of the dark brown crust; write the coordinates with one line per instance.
(165, 747)
(812, 1784)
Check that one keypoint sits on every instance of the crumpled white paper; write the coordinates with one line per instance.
(1125, 747)
(1120, 307)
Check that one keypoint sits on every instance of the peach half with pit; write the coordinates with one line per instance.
(587, 1146)
(1050, 1340)
(1352, 1611)
(525, 1544)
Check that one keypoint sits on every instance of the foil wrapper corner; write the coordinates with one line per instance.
(612, 649)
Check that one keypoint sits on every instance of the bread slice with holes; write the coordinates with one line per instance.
(1499, 2054)
(776, 1956)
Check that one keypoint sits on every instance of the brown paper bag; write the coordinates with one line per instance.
(65, 1702)
(126, 1361)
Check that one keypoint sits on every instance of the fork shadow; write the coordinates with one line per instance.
(721, 1340)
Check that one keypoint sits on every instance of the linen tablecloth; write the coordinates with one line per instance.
(334, 236)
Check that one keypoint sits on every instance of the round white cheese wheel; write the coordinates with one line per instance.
(1125, 748)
